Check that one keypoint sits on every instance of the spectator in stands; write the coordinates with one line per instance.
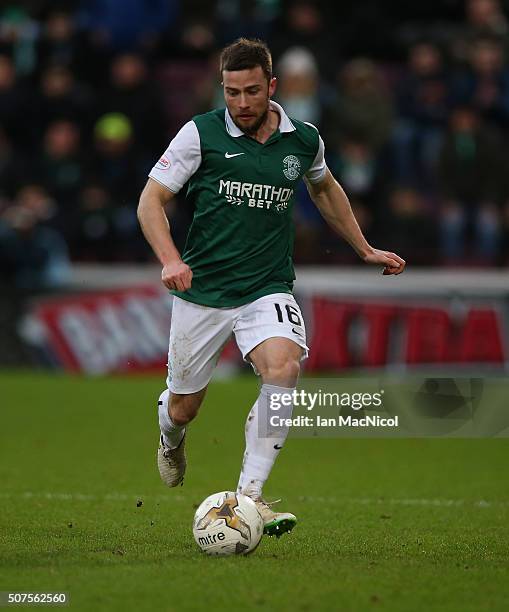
(309, 231)
(93, 232)
(131, 93)
(298, 85)
(407, 222)
(484, 19)
(197, 41)
(485, 83)
(32, 257)
(115, 162)
(36, 199)
(364, 109)
(58, 43)
(62, 43)
(18, 36)
(61, 167)
(359, 170)
(471, 177)
(304, 25)
(61, 96)
(422, 97)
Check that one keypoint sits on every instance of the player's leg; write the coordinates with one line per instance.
(271, 335)
(175, 412)
(277, 361)
(197, 336)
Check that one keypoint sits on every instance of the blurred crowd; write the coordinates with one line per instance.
(412, 103)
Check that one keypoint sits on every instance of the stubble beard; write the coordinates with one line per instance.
(253, 129)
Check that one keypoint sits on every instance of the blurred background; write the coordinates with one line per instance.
(412, 101)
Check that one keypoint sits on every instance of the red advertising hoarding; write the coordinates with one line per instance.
(126, 330)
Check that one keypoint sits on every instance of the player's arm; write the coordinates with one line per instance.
(156, 229)
(333, 204)
(176, 166)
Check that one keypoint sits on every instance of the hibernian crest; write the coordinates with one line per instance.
(291, 167)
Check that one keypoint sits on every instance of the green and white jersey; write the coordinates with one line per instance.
(240, 242)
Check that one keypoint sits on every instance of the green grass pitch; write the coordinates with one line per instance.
(395, 525)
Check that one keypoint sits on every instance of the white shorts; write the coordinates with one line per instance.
(199, 333)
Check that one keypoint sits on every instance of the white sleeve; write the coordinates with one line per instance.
(181, 159)
(318, 168)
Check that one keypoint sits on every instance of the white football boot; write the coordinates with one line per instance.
(172, 462)
(275, 523)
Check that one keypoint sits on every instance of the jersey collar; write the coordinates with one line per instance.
(285, 124)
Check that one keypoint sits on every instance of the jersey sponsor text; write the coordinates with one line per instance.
(256, 194)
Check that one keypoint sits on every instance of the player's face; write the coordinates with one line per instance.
(247, 95)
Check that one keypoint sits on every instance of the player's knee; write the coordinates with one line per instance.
(181, 416)
(183, 409)
(284, 373)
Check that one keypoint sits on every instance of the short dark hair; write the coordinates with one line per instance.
(246, 53)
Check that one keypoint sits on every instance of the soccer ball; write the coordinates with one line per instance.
(227, 523)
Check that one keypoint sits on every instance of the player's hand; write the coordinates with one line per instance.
(177, 275)
(393, 264)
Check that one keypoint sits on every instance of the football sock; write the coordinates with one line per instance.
(172, 434)
(261, 451)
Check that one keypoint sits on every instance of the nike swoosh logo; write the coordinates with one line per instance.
(229, 155)
(296, 331)
(277, 447)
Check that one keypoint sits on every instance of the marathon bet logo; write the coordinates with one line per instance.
(256, 195)
(291, 167)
